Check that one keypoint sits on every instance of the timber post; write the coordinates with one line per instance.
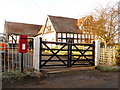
(97, 52)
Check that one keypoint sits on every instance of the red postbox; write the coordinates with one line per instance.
(23, 44)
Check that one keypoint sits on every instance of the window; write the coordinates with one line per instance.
(64, 40)
(59, 40)
(82, 35)
(83, 41)
(75, 41)
(64, 35)
(91, 36)
(71, 35)
(75, 35)
(68, 35)
(59, 35)
(79, 41)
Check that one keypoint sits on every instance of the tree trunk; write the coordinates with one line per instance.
(105, 43)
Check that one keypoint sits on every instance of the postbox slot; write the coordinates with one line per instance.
(23, 46)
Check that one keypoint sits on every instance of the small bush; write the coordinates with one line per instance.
(118, 55)
(13, 75)
(108, 68)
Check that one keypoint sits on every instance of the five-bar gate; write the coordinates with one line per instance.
(66, 54)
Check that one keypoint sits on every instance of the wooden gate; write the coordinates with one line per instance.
(66, 54)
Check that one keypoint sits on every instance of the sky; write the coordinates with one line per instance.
(36, 11)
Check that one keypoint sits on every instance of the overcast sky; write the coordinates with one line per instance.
(35, 11)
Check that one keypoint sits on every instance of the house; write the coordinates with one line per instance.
(14, 29)
(85, 25)
(63, 29)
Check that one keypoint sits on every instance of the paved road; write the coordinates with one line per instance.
(71, 79)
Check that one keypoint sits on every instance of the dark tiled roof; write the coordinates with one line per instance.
(64, 24)
(21, 28)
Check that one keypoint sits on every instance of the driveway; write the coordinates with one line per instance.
(70, 79)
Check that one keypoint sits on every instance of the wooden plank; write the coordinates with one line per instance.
(54, 60)
(63, 55)
(85, 38)
(69, 55)
(77, 38)
(52, 55)
(67, 60)
(74, 38)
(93, 54)
(66, 38)
(16, 40)
(55, 49)
(58, 43)
(54, 65)
(81, 64)
(82, 60)
(81, 50)
(56, 36)
(90, 38)
(61, 37)
(66, 49)
(81, 38)
(40, 55)
(81, 55)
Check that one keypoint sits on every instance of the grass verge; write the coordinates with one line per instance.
(108, 68)
(13, 75)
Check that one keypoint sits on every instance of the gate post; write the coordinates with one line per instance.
(40, 52)
(97, 52)
(69, 54)
(36, 53)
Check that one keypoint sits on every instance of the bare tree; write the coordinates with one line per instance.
(105, 25)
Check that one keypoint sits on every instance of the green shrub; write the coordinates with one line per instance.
(118, 55)
(13, 75)
(108, 68)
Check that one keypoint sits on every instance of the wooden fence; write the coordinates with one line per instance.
(107, 56)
